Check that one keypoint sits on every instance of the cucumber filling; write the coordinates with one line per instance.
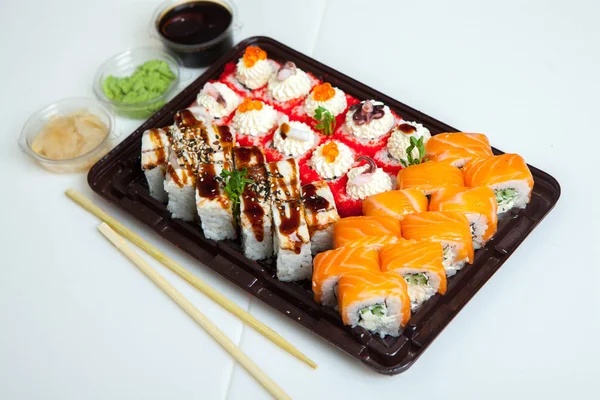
(449, 261)
(449, 256)
(419, 289)
(506, 199)
(377, 310)
(416, 279)
(375, 317)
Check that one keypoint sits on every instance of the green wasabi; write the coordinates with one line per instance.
(150, 80)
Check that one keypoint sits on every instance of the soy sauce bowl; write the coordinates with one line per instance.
(203, 32)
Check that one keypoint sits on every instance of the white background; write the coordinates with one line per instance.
(77, 321)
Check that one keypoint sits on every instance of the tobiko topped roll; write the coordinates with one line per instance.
(369, 119)
(399, 140)
(289, 83)
(253, 117)
(293, 138)
(332, 159)
(253, 69)
(217, 99)
(367, 180)
(328, 97)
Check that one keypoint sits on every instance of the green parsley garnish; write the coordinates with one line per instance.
(327, 121)
(418, 144)
(235, 183)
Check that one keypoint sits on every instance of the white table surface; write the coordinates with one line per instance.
(78, 321)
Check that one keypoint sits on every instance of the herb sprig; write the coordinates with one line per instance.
(235, 182)
(326, 121)
(414, 144)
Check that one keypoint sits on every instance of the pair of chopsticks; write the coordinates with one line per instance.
(162, 283)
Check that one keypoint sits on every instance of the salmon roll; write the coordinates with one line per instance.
(457, 148)
(477, 204)
(352, 228)
(378, 302)
(374, 242)
(450, 228)
(507, 175)
(395, 203)
(330, 265)
(420, 263)
(430, 176)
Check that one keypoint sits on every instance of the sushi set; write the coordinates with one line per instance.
(362, 219)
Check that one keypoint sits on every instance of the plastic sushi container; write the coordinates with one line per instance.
(119, 179)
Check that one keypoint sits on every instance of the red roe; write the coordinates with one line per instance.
(346, 206)
(323, 92)
(330, 151)
(252, 55)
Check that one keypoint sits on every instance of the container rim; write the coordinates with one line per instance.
(119, 179)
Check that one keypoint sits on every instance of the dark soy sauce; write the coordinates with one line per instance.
(195, 22)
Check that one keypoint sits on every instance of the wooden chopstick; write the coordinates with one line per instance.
(193, 312)
(191, 278)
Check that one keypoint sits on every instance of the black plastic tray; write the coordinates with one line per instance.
(118, 178)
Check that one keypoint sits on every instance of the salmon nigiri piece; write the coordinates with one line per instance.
(457, 148)
(351, 228)
(378, 302)
(507, 175)
(395, 203)
(330, 265)
(450, 228)
(420, 263)
(430, 176)
(477, 204)
(373, 242)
